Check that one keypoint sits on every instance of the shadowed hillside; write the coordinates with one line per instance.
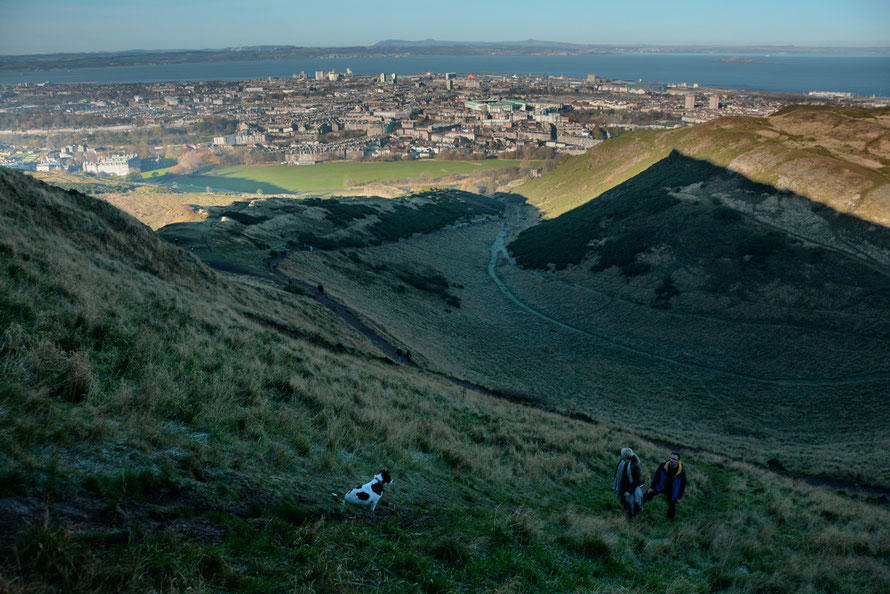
(684, 213)
(163, 427)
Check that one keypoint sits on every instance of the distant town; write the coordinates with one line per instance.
(125, 129)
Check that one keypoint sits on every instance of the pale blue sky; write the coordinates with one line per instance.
(44, 26)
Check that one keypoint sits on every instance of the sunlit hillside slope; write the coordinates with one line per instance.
(837, 157)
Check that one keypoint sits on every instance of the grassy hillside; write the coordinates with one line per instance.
(708, 214)
(249, 231)
(837, 157)
(166, 428)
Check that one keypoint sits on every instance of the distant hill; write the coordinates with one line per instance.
(528, 43)
(387, 48)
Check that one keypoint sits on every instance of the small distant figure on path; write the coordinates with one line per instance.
(399, 355)
(669, 480)
(175, 241)
(628, 483)
(321, 289)
(408, 357)
(191, 249)
(310, 248)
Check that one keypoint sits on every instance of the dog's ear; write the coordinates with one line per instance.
(386, 476)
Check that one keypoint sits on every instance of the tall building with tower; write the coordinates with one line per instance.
(591, 78)
(690, 102)
(714, 102)
(383, 77)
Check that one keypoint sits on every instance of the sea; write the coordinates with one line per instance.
(861, 75)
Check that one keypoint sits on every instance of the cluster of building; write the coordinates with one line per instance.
(338, 115)
(75, 158)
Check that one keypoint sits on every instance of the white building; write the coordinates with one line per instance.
(119, 165)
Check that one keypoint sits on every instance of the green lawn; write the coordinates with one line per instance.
(335, 176)
(155, 172)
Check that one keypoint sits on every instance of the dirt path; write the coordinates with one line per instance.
(312, 292)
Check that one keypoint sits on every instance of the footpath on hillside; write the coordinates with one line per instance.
(498, 247)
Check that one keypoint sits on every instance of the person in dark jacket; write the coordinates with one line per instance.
(628, 483)
(669, 480)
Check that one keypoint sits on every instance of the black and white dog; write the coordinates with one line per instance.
(369, 493)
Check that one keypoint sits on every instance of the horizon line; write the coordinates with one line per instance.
(393, 43)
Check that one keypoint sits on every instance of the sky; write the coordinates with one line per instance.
(51, 26)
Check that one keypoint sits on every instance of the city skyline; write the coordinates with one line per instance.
(55, 26)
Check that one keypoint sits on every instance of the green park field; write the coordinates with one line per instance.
(154, 173)
(278, 179)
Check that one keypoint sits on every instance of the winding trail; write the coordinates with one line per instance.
(390, 350)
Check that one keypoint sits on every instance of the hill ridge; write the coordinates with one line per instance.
(790, 149)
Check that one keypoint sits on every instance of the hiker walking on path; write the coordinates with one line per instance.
(669, 480)
(628, 483)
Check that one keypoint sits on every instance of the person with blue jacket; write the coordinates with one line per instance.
(669, 480)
